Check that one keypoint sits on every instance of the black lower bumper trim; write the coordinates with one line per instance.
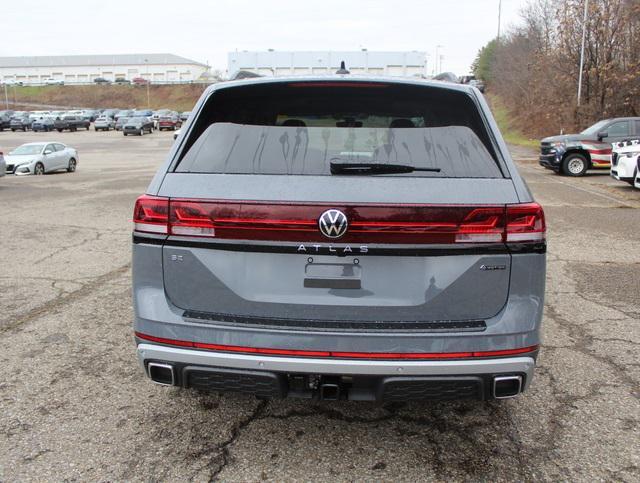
(343, 325)
(273, 385)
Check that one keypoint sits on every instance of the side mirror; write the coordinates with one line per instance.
(602, 135)
(48, 151)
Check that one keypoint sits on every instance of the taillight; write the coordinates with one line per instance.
(151, 214)
(367, 223)
(406, 224)
(525, 223)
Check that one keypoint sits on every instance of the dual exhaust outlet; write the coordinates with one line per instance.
(503, 387)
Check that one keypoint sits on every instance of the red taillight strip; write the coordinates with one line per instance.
(368, 223)
(338, 355)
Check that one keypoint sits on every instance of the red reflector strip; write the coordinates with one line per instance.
(339, 355)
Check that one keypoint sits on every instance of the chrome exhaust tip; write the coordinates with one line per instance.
(505, 387)
(162, 374)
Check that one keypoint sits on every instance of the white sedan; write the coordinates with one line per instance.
(41, 158)
(624, 165)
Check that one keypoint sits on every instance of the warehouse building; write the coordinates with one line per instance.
(272, 63)
(82, 69)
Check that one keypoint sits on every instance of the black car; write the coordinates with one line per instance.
(5, 120)
(71, 123)
(20, 123)
(138, 125)
(574, 154)
(44, 124)
(122, 81)
(101, 80)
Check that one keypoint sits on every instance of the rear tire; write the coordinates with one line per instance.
(71, 168)
(59, 130)
(575, 165)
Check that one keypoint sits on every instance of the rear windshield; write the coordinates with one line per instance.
(304, 128)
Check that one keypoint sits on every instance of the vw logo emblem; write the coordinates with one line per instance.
(333, 223)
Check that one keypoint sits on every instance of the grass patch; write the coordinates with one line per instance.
(507, 125)
(179, 97)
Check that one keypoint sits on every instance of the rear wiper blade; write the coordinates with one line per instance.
(376, 168)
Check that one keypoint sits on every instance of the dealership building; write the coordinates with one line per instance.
(74, 69)
(273, 63)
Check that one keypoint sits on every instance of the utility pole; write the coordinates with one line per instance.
(435, 60)
(584, 36)
(146, 63)
(499, 17)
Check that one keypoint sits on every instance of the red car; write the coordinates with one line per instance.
(171, 122)
(139, 81)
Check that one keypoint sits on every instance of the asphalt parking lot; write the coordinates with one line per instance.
(76, 406)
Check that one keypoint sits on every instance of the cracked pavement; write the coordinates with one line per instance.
(76, 406)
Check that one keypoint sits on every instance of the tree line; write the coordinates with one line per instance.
(534, 69)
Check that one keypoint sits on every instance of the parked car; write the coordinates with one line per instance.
(44, 124)
(71, 123)
(20, 122)
(104, 123)
(575, 154)
(101, 80)
(142, 113)
(138, 125)
(122, 81)
(122, 120)
(123, 113)
(299, 256)
(170, 122)
(110, 112)
(477, 83)
(5, 121)
(139, 81)
(41, 158)
(53, 82)
(11, 82)
(3, 165)
(184, 116)
(90, 114)
(624, 162)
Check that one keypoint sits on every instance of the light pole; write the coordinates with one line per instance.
(499, 17)
(435, 65)
(584, 36)
(146, 63)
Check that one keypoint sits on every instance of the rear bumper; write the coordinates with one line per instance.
(381, 380)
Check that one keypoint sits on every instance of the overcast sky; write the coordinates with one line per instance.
(206, 30)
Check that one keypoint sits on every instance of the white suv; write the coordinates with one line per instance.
(624, 165)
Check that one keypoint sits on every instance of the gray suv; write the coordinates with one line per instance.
(340, 237)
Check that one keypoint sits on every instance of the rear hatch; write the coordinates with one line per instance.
(287, 207)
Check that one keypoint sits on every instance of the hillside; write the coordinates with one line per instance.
(179, 97)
